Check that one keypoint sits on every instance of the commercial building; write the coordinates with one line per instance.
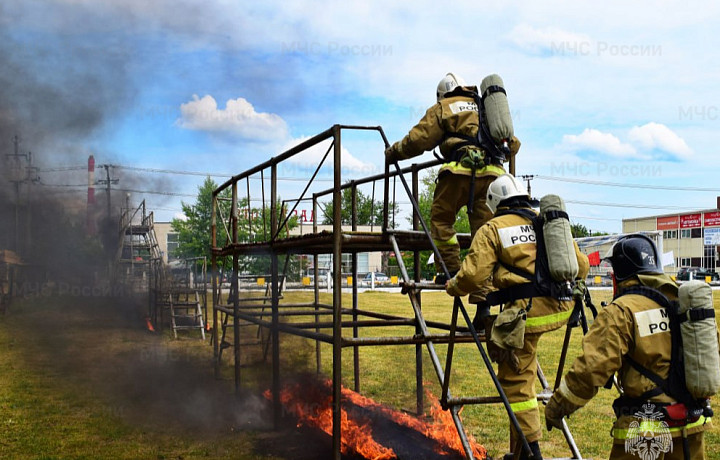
(693, 238)
(167, 240)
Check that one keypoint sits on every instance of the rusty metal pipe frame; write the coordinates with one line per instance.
(332, 132)
(302, 195)
(251, 312)
(214, 271)
(337, 298)
(382, 176)
(336, 338)
(291, 329)
(419, 394)
(356, 350)
(353, 323)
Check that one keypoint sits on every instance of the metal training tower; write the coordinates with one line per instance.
(266, 235)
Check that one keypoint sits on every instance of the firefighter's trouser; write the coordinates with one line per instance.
(451, 194)
(520, 390)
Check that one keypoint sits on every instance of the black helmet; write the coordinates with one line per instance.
(633, 254)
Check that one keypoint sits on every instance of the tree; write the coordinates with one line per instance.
(579, 230)
(194, 231)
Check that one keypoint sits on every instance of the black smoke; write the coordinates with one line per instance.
(60, 88)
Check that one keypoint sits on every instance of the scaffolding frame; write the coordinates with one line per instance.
(334, 317)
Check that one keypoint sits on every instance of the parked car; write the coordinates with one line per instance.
(696, 273)
(380, 278)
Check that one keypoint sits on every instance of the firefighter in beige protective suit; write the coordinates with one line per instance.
(452, 124)
(630, 337)
(500, 249)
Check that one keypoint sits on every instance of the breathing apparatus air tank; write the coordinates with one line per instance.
(497, 110)
(558, 239)
(699, 338)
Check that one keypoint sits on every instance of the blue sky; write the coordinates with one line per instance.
(614, 93)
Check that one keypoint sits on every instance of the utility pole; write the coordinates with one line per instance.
(108, 182)
(528, 178)
(17, 178)
(31, 177)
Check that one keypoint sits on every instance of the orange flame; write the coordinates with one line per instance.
(312, 407)
(149, 324)
(356, 437)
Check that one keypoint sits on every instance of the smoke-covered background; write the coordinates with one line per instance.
(63, 88)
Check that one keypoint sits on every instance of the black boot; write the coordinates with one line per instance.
(440, 278)
(534, 448)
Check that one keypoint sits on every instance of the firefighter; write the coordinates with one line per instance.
(495, 253)
(627, 336)
(452, 124)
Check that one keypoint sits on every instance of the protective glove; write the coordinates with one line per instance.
(557, 408)
(391, 154)
(579, 290)
(452, 289)
(514, 145)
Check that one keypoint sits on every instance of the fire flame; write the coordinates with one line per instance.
(148, 322)
(312, 405)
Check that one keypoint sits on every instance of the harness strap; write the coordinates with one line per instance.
(517, 292)
(697, 314)
(552, 215)
(662, 384)
(493, 89)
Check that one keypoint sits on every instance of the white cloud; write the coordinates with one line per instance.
(656, 136)
(310, 158)
(545, 40)
(649, 141)
(238, 118)
(598, 141)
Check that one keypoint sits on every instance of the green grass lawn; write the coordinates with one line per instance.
(83, 379)
(77, 382)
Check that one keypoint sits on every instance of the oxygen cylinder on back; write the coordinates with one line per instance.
(497, 110)
(562, 260)
(699, 338)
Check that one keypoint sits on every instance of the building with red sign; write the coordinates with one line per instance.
(692, 237)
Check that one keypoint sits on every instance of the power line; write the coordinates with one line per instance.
(62, 185)
(619, 184)
(171, 171)
(156, 192)
(206, 174)
(635, 206)
(575, 217)
(63, 168)
(178, 172)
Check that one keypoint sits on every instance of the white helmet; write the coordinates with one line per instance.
(448, 83)
(502, 188)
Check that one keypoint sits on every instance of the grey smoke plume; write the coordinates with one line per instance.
(59, 87)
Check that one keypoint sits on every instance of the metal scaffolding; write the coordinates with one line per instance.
(331, 323)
